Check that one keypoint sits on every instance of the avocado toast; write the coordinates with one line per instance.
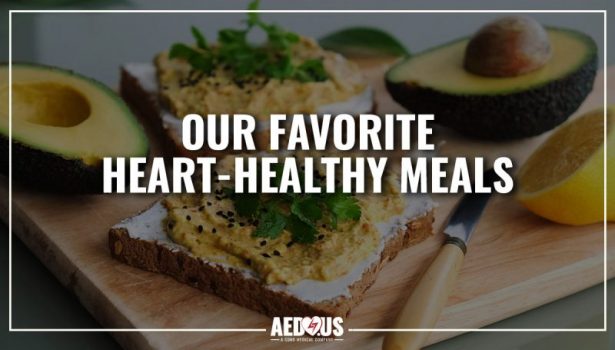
(279, 254)
(286, 74)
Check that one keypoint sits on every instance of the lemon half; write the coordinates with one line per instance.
(563, 180)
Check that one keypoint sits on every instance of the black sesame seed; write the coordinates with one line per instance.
(321, 237)
(290, 244)
(170, 224)
(209, 204)
(242, 224)
(213, 230)
(276, 253)
(201, 208)
(218, 198)
(185, 207)
(230, 213)
(266, 255)
(188, 217)
(248, 262)
(263, 243)
(200, 228)
(230, 225)
(324, 225)
(219, 212)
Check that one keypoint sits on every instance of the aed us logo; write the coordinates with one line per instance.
(307, 329)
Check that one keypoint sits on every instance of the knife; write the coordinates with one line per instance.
(426, 302)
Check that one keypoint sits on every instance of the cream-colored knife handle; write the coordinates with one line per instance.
(424, 306)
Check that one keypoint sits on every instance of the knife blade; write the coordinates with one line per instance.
(465, 216)
(428, 298)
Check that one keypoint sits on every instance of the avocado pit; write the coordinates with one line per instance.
(508, 47)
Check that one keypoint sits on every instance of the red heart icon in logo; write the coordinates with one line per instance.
(311, 325)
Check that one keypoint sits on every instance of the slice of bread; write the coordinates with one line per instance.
(141, 241)
(139, 88)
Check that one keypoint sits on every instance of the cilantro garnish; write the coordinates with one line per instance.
(301, 231)
(236, 53)
(342, 207)
(298, 213)
(246, 204)
(270, 225)
(306, 208)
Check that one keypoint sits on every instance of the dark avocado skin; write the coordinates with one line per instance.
(47, 171)
(506, 116)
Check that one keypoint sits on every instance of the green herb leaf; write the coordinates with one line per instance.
(179, 50)
(197, 60)
(270, 224)
(253, 17)
(282, 69)
(343, 206)
(246, 204)
(232, 36)
(307, 209)
(234, 52)
(202, 63)
(278, 169)
(363, 41)
(279, 38)
(201, 43)
(301, 231)
(311, 70)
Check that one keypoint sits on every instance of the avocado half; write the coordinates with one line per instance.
(63, 124)
(435, 82)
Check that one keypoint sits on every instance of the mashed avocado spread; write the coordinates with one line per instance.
(210, 227)
(186, 91)
(286, 73)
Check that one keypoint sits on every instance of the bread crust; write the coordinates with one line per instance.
(232, 285)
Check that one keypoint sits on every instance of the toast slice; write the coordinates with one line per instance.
(141, 241)
(140, 89)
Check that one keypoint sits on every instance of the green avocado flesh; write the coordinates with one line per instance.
(435, 81)
(63, 124)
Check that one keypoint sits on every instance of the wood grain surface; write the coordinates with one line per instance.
(515, 262)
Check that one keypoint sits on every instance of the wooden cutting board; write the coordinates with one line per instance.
(516, 261)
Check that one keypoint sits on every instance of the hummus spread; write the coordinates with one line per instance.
(208, 226)
(187, 91)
